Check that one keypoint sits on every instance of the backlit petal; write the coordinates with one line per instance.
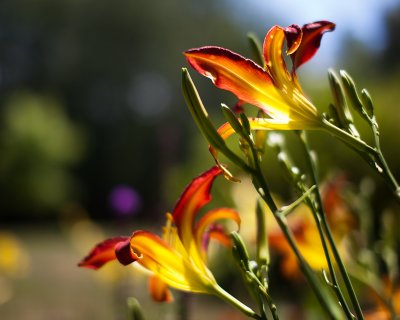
(171, 266)
(244, 78)
(196, 195)
(105, 252)
(275, 64)
(226, 130)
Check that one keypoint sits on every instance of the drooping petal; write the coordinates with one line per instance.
(108, 250)
(159, 290)
(171, 266)
(244, 78)
(311, 39)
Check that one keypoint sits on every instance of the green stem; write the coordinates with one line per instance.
(236, 303)
(346, 137)
(263, 190)
(329, 235)
(281, 220)
(370, 280)
(373, 156)
(335, 283)
(382, 162)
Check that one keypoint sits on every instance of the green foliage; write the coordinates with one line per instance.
(39, 145)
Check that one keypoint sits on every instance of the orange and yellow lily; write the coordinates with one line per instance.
(178, 258)
(273, 87)
(305, 231)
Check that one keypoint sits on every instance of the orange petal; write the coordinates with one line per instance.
(244, 78)
(272, 49)
(159, 290)
(107, 251)
(210, 218)
(196, 195)
(220, 235)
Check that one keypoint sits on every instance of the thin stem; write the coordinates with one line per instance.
(347, 137)
(329, 235)
(373, 283)
(384, 166)
(264, 291)
(281, 220)
(263, 190)
(335, 284)
(373, 156)
(237, 304)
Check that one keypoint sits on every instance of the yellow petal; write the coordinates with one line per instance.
(196, 195)
(273, 45)
(171, 266)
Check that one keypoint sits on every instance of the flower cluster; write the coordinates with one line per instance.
(307, 243)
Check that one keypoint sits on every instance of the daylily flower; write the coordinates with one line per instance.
(301, 223)
(305, 231)
(178, 259)
(274, 87)
(380, 311)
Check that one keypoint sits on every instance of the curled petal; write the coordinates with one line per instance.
(159, 290)
(294, 35)
(275, 64)
(310, 42)
(206, 228)
(210, 218)
(108, 250)
(244, 78)
(220, 235)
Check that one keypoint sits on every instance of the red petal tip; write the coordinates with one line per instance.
(102, 253)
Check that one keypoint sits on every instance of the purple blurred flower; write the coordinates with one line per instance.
(124, 200)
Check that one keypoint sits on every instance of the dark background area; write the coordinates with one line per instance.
(90, 97)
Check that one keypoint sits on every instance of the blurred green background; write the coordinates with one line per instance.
(95, 138)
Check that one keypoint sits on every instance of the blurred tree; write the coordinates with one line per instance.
(115, 67)
(38, 145)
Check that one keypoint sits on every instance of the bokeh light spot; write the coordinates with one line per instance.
(124, 200)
